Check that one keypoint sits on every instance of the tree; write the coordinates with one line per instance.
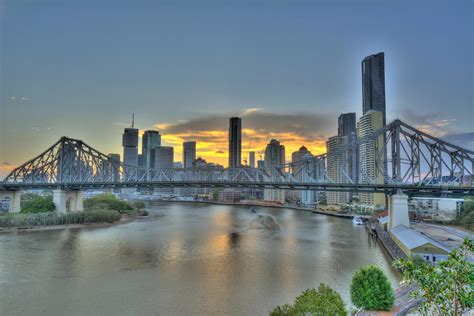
(371, 289)
(34, 203)
(447, 288)
(323, 301)
(107, 201)
(139, 205)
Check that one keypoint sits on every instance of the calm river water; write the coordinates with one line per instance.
(196, 259)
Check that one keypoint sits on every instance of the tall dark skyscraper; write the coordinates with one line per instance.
(150, 141)
(235, 141)
(373, 84)
(346, 124)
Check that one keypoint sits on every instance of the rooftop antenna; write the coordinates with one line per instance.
(133, 120)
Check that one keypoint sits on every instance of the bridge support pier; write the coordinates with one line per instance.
(68, 201)
(398, 211)
(10, 201)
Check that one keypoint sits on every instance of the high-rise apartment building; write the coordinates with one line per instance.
(373, 84)
(338, 167)
(150, 141)
(235, 142)
(189, 154)
(371, 162)
(306, 197)
(274, 157)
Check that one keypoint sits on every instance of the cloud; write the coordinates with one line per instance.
(258, 127)
(20, 98)
(5, 168)
(464, 140)
(248, 111)
(430, 123)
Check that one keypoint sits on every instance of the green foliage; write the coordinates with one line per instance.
(466, 217)
(139, 205)
(107, 201)
(320, 302)
(447, 288)
(371, 289)
(52, 218)
(34, 203)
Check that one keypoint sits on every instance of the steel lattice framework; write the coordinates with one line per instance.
(397, 156)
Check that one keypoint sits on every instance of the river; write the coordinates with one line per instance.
(196, 259)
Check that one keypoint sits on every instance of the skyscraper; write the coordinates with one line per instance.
(373, 84)
(235, 141)
(150, 141)
(189, 154)
(274, 157)
(306, 197)
(130, 152)
(371, 162)
(130, 146)
(252, 159)
(164, 157)
(346, 124)
(115, 168)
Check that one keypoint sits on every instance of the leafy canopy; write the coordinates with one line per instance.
(321, 302)
(371, 289)
(446, 288)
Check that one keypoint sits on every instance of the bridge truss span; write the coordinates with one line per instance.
(395, 157)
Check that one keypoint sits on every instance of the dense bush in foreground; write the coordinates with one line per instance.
(371, 289)
(107, 201)
(323, 301)
(51, 218)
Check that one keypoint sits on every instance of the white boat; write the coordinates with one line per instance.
(357, 220)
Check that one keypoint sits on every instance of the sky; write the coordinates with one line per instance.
(80, 68)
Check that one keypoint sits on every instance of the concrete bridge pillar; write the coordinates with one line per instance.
(398, 211)
(68, 201)
(59, 200)
(10, 201)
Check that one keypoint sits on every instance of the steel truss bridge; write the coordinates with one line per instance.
(396, 157)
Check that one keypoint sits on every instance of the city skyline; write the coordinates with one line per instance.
(295, 100)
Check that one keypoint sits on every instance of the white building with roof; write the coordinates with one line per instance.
(414, 243)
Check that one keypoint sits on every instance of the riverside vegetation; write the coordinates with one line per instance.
(39, 210)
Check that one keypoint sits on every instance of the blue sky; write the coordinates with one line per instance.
(80, 68)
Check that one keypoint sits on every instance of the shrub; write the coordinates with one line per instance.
(34, 203)
(51, 218)
(107, 201)
(371, 289)
(323, 301)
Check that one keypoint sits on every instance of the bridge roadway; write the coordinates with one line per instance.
(409, 189)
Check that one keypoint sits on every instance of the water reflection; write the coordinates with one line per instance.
(195, 260)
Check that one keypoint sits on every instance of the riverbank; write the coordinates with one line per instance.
(126, 218)
(255, 204)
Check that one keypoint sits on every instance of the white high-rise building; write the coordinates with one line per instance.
(338, 167)
(306, 197)
(369, 171)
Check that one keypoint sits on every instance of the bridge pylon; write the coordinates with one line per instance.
(68, 201)
(398, 210)
(10, 201)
